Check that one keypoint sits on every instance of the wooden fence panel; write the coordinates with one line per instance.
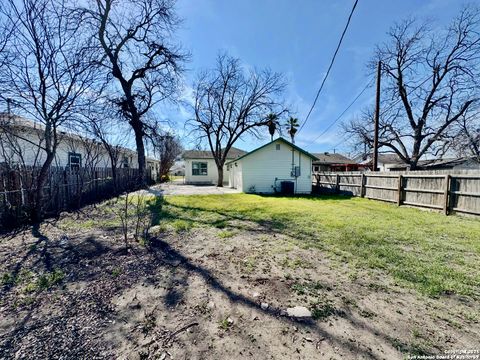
(448, 191)
(65, 189)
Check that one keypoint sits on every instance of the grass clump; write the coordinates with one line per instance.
(181, 225)
(45, 281)
(225, 234)
(321, 311)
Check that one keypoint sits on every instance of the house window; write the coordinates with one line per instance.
(199, 168)
(277, 147)
(74, 160)
(125, 162)
(316, 168)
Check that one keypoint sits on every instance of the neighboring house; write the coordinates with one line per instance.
(23, 140)
(200, 167)
(264, 169)
(385, 162)
(333, 162)
(464, 163)
(178, 168)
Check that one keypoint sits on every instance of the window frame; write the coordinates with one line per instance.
(74, 165)
(200, 168)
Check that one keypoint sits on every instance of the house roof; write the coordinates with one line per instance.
(271, 142)
(234, 153)
(439, 163)
(388, 158)
(23, 123)
(329, 158)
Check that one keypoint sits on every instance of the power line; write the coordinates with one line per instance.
(341, 115)
(331, 65)
(344, 137)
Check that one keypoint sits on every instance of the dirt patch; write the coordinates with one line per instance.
(209, 293)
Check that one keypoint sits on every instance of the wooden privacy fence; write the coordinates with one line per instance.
(440, 190)
(65, 189)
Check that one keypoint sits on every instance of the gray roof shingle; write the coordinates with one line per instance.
(200, 154)
(329, 158)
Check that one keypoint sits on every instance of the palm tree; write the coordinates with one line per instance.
(272, 121)
(292, 127)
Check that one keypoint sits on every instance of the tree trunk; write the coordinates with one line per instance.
(37, 210)
(220, 176)
(142, 168)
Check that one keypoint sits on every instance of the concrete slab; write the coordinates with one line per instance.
(177, 188)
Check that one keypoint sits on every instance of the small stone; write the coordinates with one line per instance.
(211, 305)
(299, 312)
(135, 305)
(308, 339)
(230, 321)
(264, 306)
(256, 294)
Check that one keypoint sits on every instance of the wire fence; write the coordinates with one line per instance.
(65, 189)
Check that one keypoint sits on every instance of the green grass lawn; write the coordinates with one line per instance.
(426, 251)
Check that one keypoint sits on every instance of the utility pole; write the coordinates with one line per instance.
(9, 101)
(377, 116)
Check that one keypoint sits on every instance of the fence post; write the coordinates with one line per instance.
(445, 194)
(337, 183)
(362, 185)
(400, 190)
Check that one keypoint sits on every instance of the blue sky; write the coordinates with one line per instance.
(298, 39)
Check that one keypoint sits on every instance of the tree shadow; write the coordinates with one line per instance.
(161, 250)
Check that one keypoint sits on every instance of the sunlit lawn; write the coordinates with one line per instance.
(427, 251)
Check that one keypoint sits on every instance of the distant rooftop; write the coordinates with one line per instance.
(332, 158)
(201, 154)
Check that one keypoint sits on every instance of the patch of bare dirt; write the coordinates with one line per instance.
(205, 294)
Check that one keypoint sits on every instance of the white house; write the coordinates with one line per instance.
(278, 166)
(21, 142)
(200, 167)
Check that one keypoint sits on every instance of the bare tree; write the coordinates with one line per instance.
(100, 123)
(144, 66)
(465, 141)
(47, 72)
(166, 149)
(231, 102)
(430, 80)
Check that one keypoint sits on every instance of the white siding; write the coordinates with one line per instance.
(212, 173)
(260, 169)
(236, 180)
(34, 156)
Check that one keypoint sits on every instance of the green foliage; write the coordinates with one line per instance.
(226, 234)
(181, 225)
(45, 281)
(321, 311)
(309, 288)
(8, 279)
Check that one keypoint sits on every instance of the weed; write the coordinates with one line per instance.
(116, 272)
(181, 225)
(295, 263)
(322, 311)
(224, 234)
(149, 323)
(225, 323)
(8, 279)
(309, 288)
(249, 264)
(45, 281)
(367, 313)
